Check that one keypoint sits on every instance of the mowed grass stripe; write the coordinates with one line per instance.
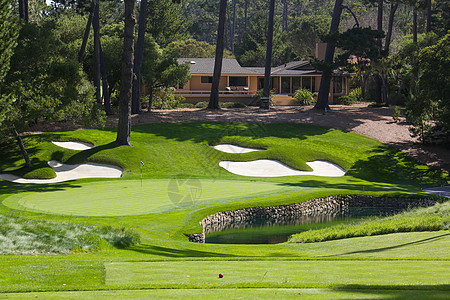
(128, 197)
(277, 274)
(253, 293)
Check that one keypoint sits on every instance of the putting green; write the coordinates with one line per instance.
(128, 197)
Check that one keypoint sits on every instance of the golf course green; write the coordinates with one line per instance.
(133, 197)
(181, 183)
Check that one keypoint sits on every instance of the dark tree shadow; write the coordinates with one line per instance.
(214, 131)
(172, 252)
(397, 292)
(377, 250)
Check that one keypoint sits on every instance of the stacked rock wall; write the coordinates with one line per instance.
(321, 207)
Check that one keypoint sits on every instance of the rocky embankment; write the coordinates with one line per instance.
(317, 208)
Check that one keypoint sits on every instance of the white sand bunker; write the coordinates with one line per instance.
(272, 168)
(234, 149)
(70, 172)
(74, 145)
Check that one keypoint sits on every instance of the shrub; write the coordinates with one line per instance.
(396, 115)
(186, 105)
(166, 100)
(202, 104)
(356, 93)
(257, 98)
(232, 105)
(304, 97)
(347, 100)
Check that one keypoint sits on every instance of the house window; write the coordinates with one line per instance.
(296, 84)
(313, 84)
(285, 85)
(238, 81)
(206, 79)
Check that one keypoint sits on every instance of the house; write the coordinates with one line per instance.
(240, 84)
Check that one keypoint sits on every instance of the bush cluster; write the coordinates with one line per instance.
(304, 97)
(167, 100)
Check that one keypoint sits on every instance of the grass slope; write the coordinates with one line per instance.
(182, 151)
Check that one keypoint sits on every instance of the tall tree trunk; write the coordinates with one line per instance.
(136, 102)
(324, 90)
(150, 98)
(429, 16)
(233, 27)
(85, 39)
(126, 85)
(21, 8)
(415, 26)
(387, 42)
(96, 26)
(378, 80)
(214, 96)
(105, 85)
(380, 22)
(245, 15)
(22, 148)
(265, 103)
(285, 15)
(25, 11)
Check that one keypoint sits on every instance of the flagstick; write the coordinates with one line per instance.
(141, 176)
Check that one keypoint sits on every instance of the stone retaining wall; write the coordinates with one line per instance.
(322, 207)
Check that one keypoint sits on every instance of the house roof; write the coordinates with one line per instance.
(231, 66)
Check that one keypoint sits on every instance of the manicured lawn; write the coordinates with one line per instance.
(129, 197)
(252, 293)
(182, 183)
(277, 274)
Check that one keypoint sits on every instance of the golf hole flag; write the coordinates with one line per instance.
(142, 163)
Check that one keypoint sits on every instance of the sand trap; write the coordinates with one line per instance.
(272, 168)
(440, 190)
(74, 145)
(234, 149)
(70, 172)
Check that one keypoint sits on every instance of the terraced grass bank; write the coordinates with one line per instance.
(436, 217)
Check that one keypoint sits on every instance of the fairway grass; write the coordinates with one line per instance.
(129, 197)
(341, 293)
(277, 274)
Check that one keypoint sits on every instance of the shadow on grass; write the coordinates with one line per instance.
(10, 188)
(422, 241)
(387, 164)
(214, 131)
(358, 187)
(172, 252)
(83, 156)
(397, 292)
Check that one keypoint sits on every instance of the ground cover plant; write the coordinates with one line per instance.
(25, 236)
(179, 161)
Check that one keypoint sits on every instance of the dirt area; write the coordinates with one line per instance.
(376, 123)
